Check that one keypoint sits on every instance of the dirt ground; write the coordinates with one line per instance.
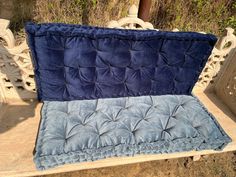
(217, 165)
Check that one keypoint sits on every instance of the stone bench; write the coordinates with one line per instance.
(19, 106)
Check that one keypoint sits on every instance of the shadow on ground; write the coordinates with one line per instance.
(217, 165)
(9, 119)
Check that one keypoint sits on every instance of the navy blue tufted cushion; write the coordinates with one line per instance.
(82, 62)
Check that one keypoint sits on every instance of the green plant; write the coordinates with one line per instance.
(194, 15)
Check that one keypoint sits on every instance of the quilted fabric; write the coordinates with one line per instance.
(74, 62)
(85, 130)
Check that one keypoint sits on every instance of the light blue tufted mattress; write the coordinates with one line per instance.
(86, 130)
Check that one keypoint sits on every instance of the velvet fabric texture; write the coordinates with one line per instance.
(115, 92)
(74, 62)
(86, 130)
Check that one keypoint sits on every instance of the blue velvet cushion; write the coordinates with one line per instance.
(85, 130)
(81, 62)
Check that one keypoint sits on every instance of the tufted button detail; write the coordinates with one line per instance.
(96, 111)
(127, 107)
(84, 124)
(197, 127)
(133, 132)
(115, 120)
